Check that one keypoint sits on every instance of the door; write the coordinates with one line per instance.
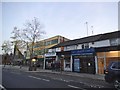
(101, 65)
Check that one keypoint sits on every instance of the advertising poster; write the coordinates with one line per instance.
(77, 65)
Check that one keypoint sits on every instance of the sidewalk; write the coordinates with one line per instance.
(84, 75)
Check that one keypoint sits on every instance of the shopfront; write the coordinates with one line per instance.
(49, 59)
(106, 55)
(40, 61)
(65, 59)
(83, 60)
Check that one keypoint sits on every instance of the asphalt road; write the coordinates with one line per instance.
(20, 79)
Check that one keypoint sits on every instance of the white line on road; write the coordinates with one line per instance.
(1, 87)
(76, 87)
(65, 80)
(46, 80)
(73, 86)
(39, 78)
(35, 77)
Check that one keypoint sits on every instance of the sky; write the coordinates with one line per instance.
(61, 18)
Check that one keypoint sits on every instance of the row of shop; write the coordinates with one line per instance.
(92, 60)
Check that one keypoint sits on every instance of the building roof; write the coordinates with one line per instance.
(110, 35)
(93, 38)
(54, 37)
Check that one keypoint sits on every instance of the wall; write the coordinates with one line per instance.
(101, 43)
(95, 44)
(72, 47)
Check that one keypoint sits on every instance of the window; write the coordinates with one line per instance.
(114, 42)
(78, 46)
(48, 43)
(115, 66)
(86, 45)
(54, 41)
(82, 46)
(68, 47)
(92, 42)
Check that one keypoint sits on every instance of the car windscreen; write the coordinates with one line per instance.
(115, 65)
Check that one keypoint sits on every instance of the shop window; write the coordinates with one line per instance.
(67, 65)
(67, 62)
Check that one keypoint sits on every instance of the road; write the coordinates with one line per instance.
(20, 79)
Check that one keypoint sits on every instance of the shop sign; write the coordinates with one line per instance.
(50, 54)
(82, 51)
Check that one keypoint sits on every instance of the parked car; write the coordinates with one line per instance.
(112, 74)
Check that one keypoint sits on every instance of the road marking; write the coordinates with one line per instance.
(73, 86)
(60, 79)
(35, 77)
(1, 87)
(66, 81)
(39, 78)
(46, 80)
(76, 87)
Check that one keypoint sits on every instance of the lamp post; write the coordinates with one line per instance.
(87, 27)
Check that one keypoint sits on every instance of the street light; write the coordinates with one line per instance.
(87, 27)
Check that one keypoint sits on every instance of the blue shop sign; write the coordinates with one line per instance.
(83, 51)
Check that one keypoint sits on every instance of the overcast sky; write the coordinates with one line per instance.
(61, 18)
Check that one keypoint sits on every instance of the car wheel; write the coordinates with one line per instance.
(117, 84)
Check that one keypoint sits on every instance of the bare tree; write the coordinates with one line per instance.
(18, 43)
(6, 47)
(30, 34)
